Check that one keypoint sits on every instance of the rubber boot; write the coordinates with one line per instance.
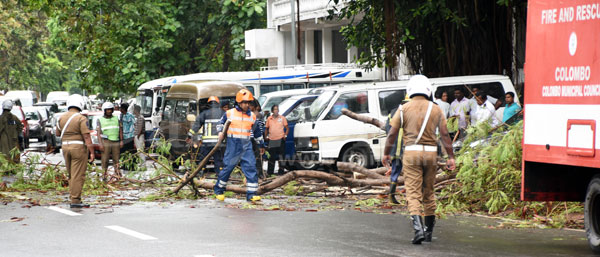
(417, 223)
(429, 223)
(391, 195)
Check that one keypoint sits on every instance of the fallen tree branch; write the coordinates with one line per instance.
(364, 118)
(351, 167)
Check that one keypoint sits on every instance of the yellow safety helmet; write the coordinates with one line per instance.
(213, 98)
(244, 95)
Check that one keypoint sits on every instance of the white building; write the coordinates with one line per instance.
(319, 39)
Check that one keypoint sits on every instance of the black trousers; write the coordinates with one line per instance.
(275, 155)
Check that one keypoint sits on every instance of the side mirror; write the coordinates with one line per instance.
(28, 118)
(158, 102)
(191, 117)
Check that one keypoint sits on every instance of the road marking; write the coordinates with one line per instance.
(63, 211)
(132, 233)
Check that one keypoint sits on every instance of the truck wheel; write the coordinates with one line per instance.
(357, 155)
(592, 214)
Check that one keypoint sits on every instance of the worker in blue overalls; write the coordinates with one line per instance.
(243, 126)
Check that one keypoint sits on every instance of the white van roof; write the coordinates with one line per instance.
(158, 82)
(402, 83)
(287, 92)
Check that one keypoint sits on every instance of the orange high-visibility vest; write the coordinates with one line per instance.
(241, 124)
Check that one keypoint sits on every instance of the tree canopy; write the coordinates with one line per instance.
(439, 37)
(111, 47)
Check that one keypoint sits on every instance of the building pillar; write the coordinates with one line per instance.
(309, 47)
(352, 54)
(327, 46)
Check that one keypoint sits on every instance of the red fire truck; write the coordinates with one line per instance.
(561, 161)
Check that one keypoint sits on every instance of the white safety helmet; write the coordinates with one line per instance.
(7, 104)
(75, 100)
(108, 105)
(419, 85)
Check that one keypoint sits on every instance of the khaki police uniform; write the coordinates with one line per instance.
(10, 127)
(419, 161)
(74, 151)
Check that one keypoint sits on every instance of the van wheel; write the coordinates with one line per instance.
(592, 214)
(300, 165)
(357, 155)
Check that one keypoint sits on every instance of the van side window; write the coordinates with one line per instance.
(390, 99)
(493, 89)
(356, 102)
(269, 88)
(293, 86)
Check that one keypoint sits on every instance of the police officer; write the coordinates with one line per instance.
(110, 137)
(10, 127)
(419, 120)
(75, 135)
(239, 146)
(207, 138)
(396, 155)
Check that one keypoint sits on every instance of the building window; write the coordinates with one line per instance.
(340, 54)
(318, 46)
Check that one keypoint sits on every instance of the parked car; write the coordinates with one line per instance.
(18, 111)
(269, 99)
(51, 107)
(36, 123)
(53, 141)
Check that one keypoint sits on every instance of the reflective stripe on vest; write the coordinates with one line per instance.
(210, 133)
(110, 128)
(241, 124)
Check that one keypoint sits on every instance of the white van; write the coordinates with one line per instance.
(57, 96)
(267, 100)
(27, 97)
(326, 135)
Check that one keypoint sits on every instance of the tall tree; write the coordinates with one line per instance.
(439, 37)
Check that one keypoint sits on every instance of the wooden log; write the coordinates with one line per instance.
(203, 163)
(351, 167)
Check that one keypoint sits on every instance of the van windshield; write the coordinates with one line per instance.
(319, 105)
(176, 110)
(144, 100)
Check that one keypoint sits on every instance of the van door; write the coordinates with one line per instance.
(388, 101)
(336, 129)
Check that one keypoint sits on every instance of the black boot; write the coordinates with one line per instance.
(417, 223)
(429, 223)
(392, 196)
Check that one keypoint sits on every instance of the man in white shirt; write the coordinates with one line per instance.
(460, 107)
(485, 110)
(442, 101)
(494, 101)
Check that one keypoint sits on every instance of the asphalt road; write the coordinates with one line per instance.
(211, 229)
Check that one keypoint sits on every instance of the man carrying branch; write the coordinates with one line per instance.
(239, 146)
(419, 120)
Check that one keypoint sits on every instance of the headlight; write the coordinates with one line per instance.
(34, 126)
(307, 143)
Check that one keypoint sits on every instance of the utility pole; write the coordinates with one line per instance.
(293, 26)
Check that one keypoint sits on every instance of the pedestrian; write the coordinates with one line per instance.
(419, 120)
(10, 128)
(460, 109)
(396, 156)
(110, 138)
(511, 108)
(256, 146)
(442, 102)
(139, 130)
(239, 146)
(225, 105)
(73, 130)
(128, 124)
(206, 134)
(276, 132)
(484, 111)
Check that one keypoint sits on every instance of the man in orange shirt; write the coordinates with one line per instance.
(276, 135)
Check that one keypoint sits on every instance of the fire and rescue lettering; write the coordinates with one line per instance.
(582, 12)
